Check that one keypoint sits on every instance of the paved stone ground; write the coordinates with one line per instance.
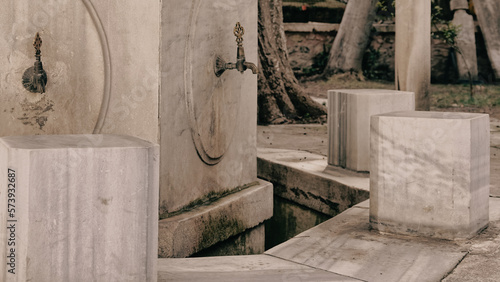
(344, 248)
(482, 260)
(312, 138)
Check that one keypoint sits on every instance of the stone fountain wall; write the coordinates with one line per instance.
(92, 52)
(146, 69)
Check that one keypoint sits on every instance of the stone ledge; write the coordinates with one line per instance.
(305, 178)
(330, 27)
(193, 231)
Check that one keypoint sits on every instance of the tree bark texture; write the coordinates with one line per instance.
(413, 49)
(281, 99)
(353, 37)
(488, 16)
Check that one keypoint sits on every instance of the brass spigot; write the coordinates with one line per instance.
(35, 78)
(241, 65)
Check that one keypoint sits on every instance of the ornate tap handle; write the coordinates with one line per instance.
(241, 64)
(239, 31)
(35, 78)
(37, 44)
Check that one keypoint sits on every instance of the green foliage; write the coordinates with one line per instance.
(372, 69)
(448, 32)
(449, 35)
(385, 9)
(436, 12)
(319, 62)
(444, 30)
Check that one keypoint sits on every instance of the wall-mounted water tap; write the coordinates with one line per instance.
(35, 78)
(241, 65)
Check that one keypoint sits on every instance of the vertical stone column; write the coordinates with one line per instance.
(413, 49)
(466, 40)
(78, 208)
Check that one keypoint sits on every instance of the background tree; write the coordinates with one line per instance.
(353, 37)
(489, 21)
(281, 99)
(413, 50)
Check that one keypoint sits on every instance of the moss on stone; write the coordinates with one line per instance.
(208, 199)
(220, 229)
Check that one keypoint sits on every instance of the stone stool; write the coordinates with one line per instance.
(78, 208)
(349, 114)
(430, 173)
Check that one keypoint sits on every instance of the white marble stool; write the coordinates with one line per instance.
(430, 173)
(349, 114)
(79, 208)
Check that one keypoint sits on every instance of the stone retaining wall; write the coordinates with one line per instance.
(308, 43)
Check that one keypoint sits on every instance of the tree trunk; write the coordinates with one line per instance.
(353, 37)
(466, 44)
(281, 99)
(489, 21)
(413, 50)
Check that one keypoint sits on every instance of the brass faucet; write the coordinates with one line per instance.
(241, 64)
(35, 78)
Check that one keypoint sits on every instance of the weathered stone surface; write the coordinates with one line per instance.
(297, 137)
(207, 123)
(132, 31)
(346, 246)
(290, 219)
(349, 114)
(102, 67)
(191, 231)
(250, 242)
(305, 50)
(82, 207)
(483, 261)
(204, 116)
(71, 56)
(238, 268)
(430, 173)
(489, 21)
(413, 49)
(466, 42)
